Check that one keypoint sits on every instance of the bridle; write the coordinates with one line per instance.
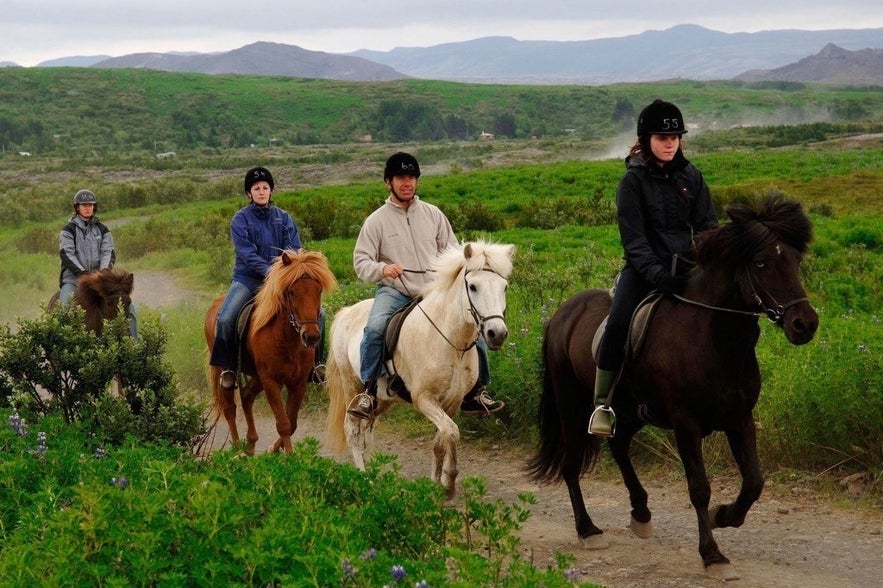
(477, 317)
(295, 321)
(774, 312)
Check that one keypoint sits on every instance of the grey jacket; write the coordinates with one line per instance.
(84, 246)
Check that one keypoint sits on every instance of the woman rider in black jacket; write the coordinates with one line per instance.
(661, 202)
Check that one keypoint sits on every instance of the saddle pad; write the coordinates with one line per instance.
(637, 327)
(246, 362)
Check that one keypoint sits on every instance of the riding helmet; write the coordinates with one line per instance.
(255, 175)
(661, 118)
(401, 164)
(85, 197)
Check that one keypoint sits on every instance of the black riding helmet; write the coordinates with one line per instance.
(85, 197)
(661, 118)
(255, 175)
(401, 164)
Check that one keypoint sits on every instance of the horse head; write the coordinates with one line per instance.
(762, 249)
(101, 294)
(485, 269)
(293, 288)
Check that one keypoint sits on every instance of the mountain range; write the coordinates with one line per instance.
(845, 56)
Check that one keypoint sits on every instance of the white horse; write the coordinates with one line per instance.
(435, 356)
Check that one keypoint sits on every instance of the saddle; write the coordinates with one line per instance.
(391, 341)
(244, 358)
(637, 333)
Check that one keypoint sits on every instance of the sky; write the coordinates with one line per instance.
(32, 31)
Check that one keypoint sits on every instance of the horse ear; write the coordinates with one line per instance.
(286, 258)
(467, 251)
(510, 251)
(129, 281)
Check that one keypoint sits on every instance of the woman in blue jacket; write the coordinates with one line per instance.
(260, 231)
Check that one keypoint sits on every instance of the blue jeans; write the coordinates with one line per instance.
(68, 290)
(224, 351)
(387, 301)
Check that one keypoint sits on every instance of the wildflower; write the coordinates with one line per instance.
(524, 331)
(99, 453)
(41, 442)
(421, 584)
(17, 424)
(121, 482)
(398, 572)
(348, 569)
(571, 575)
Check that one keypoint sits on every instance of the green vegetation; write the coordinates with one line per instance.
(553, 197)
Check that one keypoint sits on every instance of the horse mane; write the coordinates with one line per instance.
(472, 256)
(289, 267)
(96, 287)
(753, 226)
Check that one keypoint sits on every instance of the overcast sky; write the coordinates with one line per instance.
(32, 31)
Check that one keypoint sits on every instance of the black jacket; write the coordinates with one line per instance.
(659, 210)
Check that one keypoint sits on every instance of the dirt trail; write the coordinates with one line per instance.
(790, 539)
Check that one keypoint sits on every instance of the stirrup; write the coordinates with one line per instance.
(361, 406)
(603, 422)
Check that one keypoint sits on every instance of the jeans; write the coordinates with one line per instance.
(224, 351)
(387, 301)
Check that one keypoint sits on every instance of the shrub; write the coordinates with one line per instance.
(52, 365)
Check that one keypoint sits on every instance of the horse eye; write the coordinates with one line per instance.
(472, 288)
(761, 264)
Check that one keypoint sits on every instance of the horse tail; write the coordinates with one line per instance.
(339, 397)
(565, 448)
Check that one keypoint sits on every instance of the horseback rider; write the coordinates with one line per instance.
(86, 245)
(662, 200)
(395, 244)
(259, 231)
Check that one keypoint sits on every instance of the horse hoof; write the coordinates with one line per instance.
(642, 530)
(721, 571)
(594, 542)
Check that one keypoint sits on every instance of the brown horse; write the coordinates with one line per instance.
(101, 294)
(696, 371)
(280, 344)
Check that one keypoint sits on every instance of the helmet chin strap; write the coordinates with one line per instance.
(396, 196)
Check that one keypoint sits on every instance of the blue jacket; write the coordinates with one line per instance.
(259, 235)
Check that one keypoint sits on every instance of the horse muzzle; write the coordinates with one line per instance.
(800, 323)
(495, 333)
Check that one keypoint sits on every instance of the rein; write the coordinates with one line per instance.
(473, 312)
(773, 313)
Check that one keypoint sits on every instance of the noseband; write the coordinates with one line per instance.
(476, 316)
(295, 321)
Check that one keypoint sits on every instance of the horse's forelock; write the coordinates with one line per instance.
(753, 228)
(286, 269)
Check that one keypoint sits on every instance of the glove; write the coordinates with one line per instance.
(669, 284)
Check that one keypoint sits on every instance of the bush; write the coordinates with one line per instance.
(75, 514)
(52, 365)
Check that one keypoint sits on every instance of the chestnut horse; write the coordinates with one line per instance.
(435, 355)
(280, 344)
(695, 372)
(101, 294)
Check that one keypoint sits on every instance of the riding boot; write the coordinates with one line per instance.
(603, 419)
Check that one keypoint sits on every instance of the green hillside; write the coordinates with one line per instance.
(99, 113)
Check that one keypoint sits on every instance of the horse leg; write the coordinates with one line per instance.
(297, 389)
(248, 393)
(273, 391)
(743, 444)
(689, 443)
(640, 515)
(444, 449)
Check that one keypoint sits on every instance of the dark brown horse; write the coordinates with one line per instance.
(695, 373)
(101, 294)
(280, 344)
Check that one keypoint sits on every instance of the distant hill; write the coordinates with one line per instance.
(262, 58)
(74, 61)
(683, 51)
(831, 65)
